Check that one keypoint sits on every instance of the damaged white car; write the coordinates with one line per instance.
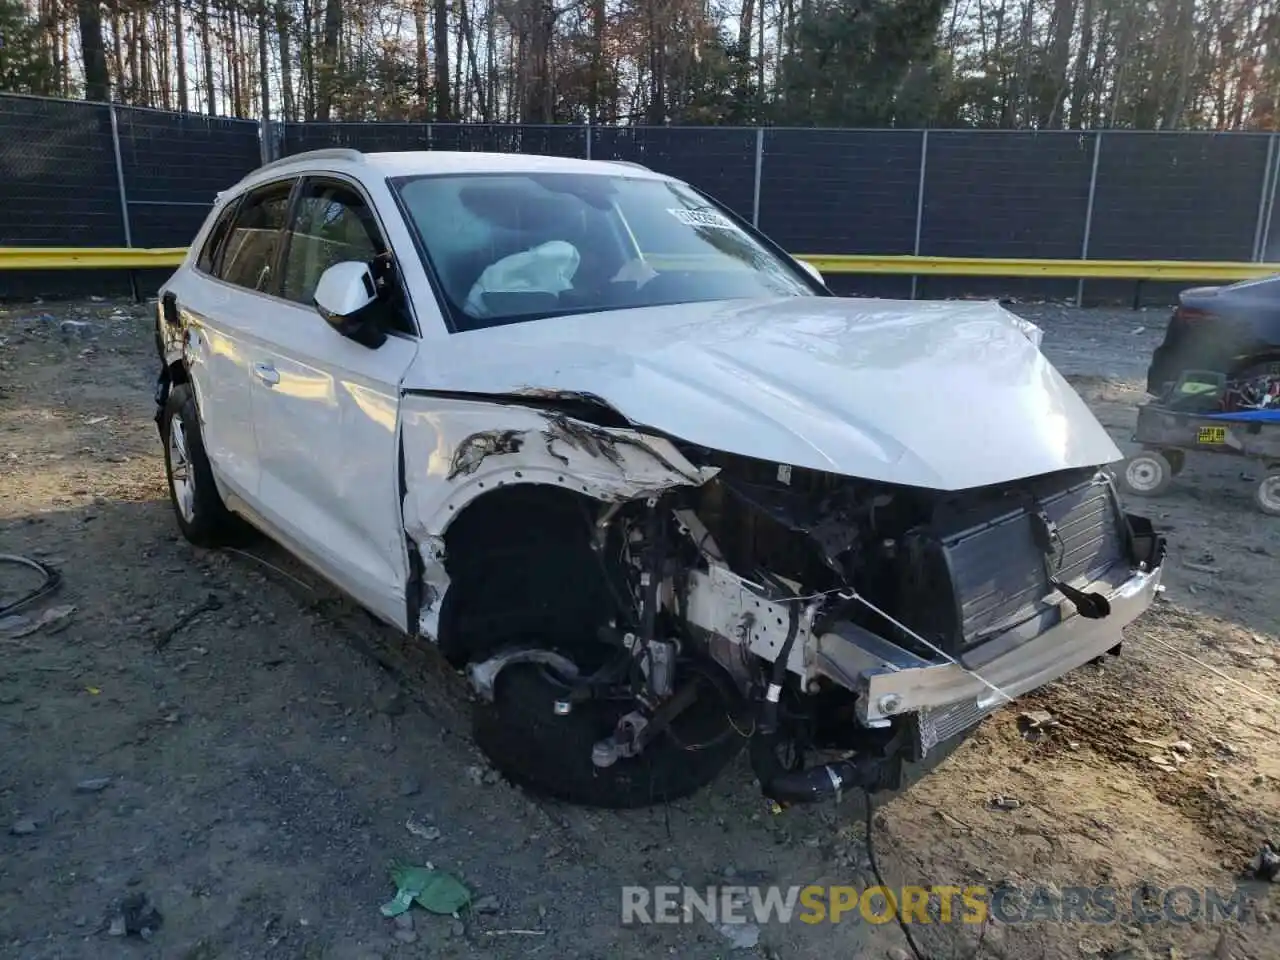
(637, 471)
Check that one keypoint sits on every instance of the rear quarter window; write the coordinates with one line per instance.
(249, 255)
(210, 253)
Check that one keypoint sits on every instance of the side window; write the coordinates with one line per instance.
(250, 252)
(209, 255)
(332, 224)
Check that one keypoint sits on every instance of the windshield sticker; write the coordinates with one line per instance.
(703, 218)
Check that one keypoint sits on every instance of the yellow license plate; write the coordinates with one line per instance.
(1212, 435)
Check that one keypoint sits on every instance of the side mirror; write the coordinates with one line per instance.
(812, 271)
(347, 298)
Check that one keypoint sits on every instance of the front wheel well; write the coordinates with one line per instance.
(171, 374)
(522, 569)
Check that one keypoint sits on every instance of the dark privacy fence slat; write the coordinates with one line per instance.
(57, 175)
(841, 191)
(555, 141)
(300, 137)
(558, 141)
(174, 165)
(1006, 194)
(718, 161)
(1173, 196)
(171, 157)
(1270, 241)
(986, 193)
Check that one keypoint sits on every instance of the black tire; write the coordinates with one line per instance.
(202, 516)
(550, 755)
(523, 573)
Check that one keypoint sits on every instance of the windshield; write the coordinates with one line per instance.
(519, 247)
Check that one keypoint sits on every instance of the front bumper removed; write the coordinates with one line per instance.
(949, 697)
(939, 700)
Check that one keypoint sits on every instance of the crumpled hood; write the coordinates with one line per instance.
(931, 394)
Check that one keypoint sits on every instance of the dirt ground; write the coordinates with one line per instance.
(261, 760)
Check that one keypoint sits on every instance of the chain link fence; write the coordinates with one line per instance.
(85, 174)
(172, 167)
(75, 174)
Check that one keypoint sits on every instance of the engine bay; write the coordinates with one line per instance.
(748, 569)
(836, 627)
(954, 568)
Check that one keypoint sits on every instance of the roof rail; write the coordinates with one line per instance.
(328, 153)
(630, 163)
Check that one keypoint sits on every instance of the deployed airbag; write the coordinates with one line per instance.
(548, 268)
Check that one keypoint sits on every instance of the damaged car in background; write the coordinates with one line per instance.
(647, 484)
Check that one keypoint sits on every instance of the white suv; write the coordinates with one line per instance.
(637, 470)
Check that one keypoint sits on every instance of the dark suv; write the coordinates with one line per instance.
(1232, 330)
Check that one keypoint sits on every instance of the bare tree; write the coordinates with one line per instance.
(1059, 55)
(180, 55)
(284, 23)
(326, 83)
(1159, 64)
(97, 84)
(264, 77)
(443, 104)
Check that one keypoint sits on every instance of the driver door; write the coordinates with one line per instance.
(325, 409)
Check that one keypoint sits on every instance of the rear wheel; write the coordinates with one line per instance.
(202, 516)
(1148, 474)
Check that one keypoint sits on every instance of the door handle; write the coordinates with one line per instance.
(266, 373)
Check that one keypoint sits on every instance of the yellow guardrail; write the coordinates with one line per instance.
(77, 258)
(126, 258)
(1179, 270)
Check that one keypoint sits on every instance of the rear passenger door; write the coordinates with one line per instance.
(221, 303)
(325, 408)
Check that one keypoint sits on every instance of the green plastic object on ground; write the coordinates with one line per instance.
(432, 889)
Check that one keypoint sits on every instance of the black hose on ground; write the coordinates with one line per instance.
(815, 783)
(50, 582)
(803, 786)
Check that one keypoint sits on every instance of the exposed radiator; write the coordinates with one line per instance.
(962, 588)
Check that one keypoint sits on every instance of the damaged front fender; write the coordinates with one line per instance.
(456, 450)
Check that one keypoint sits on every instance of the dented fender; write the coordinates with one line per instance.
(456, 450)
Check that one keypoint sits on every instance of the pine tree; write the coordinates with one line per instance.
(25, 66)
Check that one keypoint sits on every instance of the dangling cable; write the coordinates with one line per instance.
(875, 868)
